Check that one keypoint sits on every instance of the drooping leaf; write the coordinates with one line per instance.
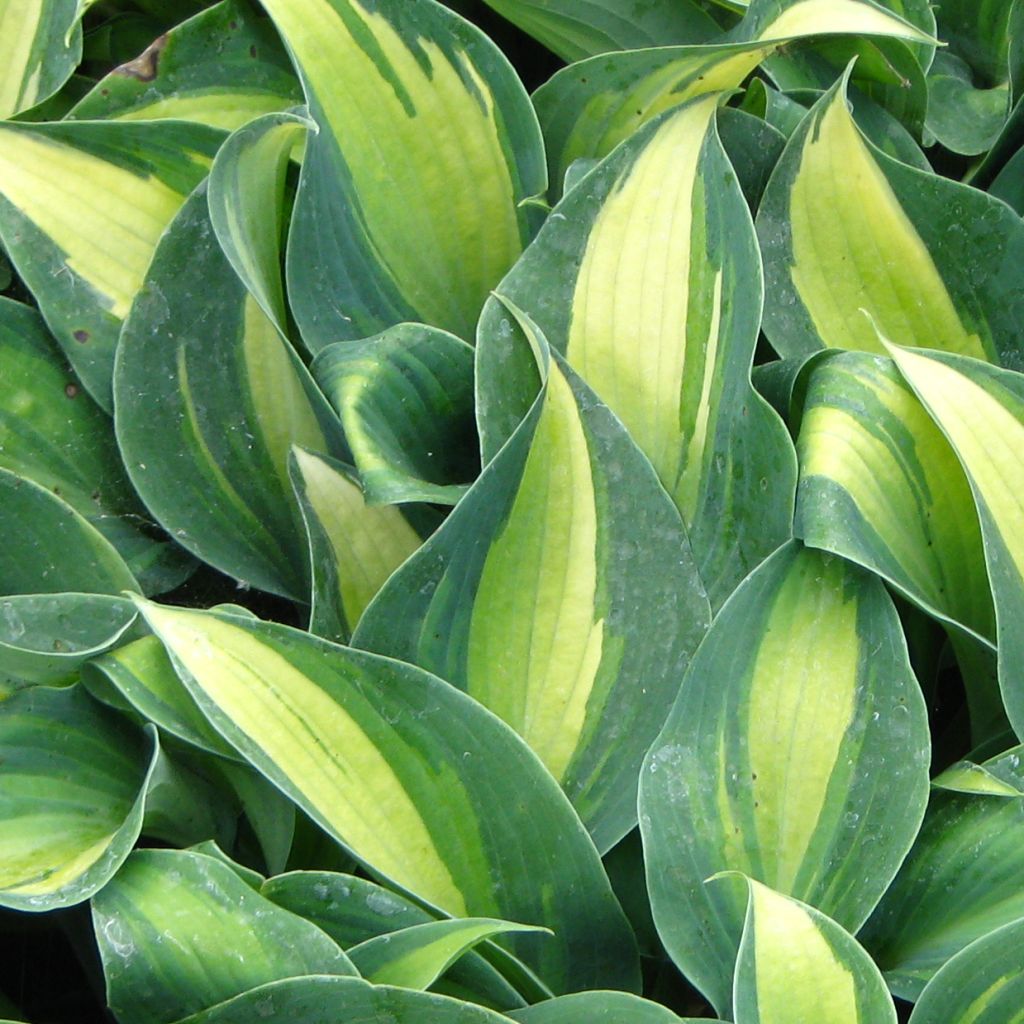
(653, 295)
(40, 46)
(165, 921)
(354, 546)
(537, 594)
(778, 760)
(82, 206)
(577, 30)
(314, 717)
(961, 879)
(587, 109)
(796, 964)
(982, 984)
(221, 67)
(210, 400)
(980, 409)
(73, 779)
(352, 910)
(846, 230)
(405, 398)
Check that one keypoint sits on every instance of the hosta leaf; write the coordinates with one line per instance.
(950, 275)
(982, 984)
(978, 31)
(385, 82)
(600, 1008)
(753, 147)
(247, 181)
(778, 760)
(73, 778)
(654, 298)
(314, 718)
(322, 1000)
(210, 400)
(222, 67)
(880, 485)
(980, 409)
(576, 30)
(587, 109)
(167, 919)
(537, 594)
(50, 549)
(963, 118)
(44, 638)
(414, 957)
(54, 434)
(796, 964)
(352, 910)
(354, 546)
(961, 879)
(82, 206)
(40, 46)
(405, 398)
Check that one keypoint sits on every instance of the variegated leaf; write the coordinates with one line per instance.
(40, 46)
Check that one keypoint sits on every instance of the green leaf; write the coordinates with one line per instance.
(314, 717)
(385, 82)
(74, 778)
(352, 910)
(796, 964)
(587, 109)
(222, 67)
(405, 398)
(881, 486)
(206, 429)
(577, 30)
(601, 1008)
(322, 1000)
(416, 956)
(980, 409)
(82, 206)
(537, 595)
(50, 549)
(654, 297)
(961, 879)
(165, 922)
(354, 546)
(978, 31)
(951, 273)
(965, 119)
(41, 45)
(982, 984)
(778, 760)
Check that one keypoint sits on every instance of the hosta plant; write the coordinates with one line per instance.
(513, 511)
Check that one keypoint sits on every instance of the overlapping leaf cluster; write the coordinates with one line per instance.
(476, 556)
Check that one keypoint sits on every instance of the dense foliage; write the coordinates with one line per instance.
(472, 555)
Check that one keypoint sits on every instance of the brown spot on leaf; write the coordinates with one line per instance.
(81, 336)
(71, 390)
(252, 51)
(145, 66)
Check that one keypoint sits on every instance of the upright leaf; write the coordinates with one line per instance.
(600, 1008)
(40, 46)
(538, 593)
(375, 752)
(778, 760)
(846, 231)
(82, 206)
(210, 400)
(653, 295)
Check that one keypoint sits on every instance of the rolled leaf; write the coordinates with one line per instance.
(165, 921)
(40, 48)
(952, 270)
(405, 398)
(82, 207)
(654, 297)
(314, 718)
(537, 594)
(210, 400)
(825, 680)
(74, 777)
(221, 67)
(384, 82)
(796, 964)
